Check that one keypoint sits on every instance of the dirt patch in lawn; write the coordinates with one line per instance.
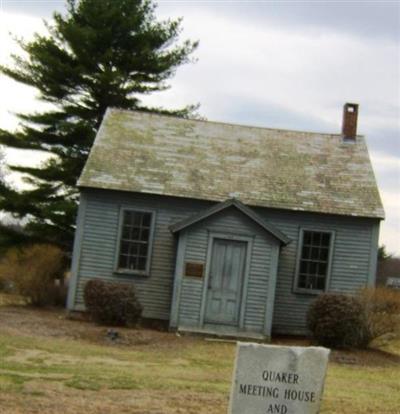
(55, 323)
(26, 356)
(365, 357)
(54, 398)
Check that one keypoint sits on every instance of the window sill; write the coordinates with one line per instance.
(125, 272)
(308, 291)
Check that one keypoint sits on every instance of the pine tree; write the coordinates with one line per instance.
(383, 254)
(101, 53)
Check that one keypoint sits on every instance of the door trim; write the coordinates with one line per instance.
(178, 275)
(211, 237)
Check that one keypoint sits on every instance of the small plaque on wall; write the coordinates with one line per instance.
(194, 269)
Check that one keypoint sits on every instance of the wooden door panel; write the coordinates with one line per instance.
(225, 281)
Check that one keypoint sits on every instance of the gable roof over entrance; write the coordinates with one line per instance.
(147, 153)
(241, 207)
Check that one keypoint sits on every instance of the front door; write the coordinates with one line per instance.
(225, 281)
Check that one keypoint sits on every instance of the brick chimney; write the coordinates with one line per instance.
(349, 126)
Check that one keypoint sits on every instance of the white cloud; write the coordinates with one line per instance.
(389, 166)
(387, 161)
(390, 228)
(299, 71)
(18, 97)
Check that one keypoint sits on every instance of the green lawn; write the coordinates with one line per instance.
(48, 371)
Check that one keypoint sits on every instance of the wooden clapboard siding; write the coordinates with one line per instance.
(190, 302)
(95, 247)
(228, 222)
(353, 250)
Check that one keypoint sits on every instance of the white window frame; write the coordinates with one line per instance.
(296, 288)
(124, 271)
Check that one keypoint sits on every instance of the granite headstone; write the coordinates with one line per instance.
(271, 379)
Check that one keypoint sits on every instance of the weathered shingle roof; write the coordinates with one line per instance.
(293, 170)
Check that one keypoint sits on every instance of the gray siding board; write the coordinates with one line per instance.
(351, 256)
(77, 253)
(190, 302)
(100, 242)
(352, 263)
(227, 222)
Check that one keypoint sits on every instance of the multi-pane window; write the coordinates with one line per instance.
(314, 260)
(135, 240)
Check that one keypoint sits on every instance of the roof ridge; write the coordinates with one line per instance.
(206, 121)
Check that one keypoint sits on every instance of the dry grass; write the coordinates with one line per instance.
(10, 300)
(49, 364)
(32, 270)
(382, 308)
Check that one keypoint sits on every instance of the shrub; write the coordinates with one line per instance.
(382, 311)
(33, 271)
(112, 303)
(338, 321)
(58, 293)
(4, 285)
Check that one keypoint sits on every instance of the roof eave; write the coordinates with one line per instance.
(181, 225)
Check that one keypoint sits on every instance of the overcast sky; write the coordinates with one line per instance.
(276, 64)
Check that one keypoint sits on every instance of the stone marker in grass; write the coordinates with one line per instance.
(270, 379)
